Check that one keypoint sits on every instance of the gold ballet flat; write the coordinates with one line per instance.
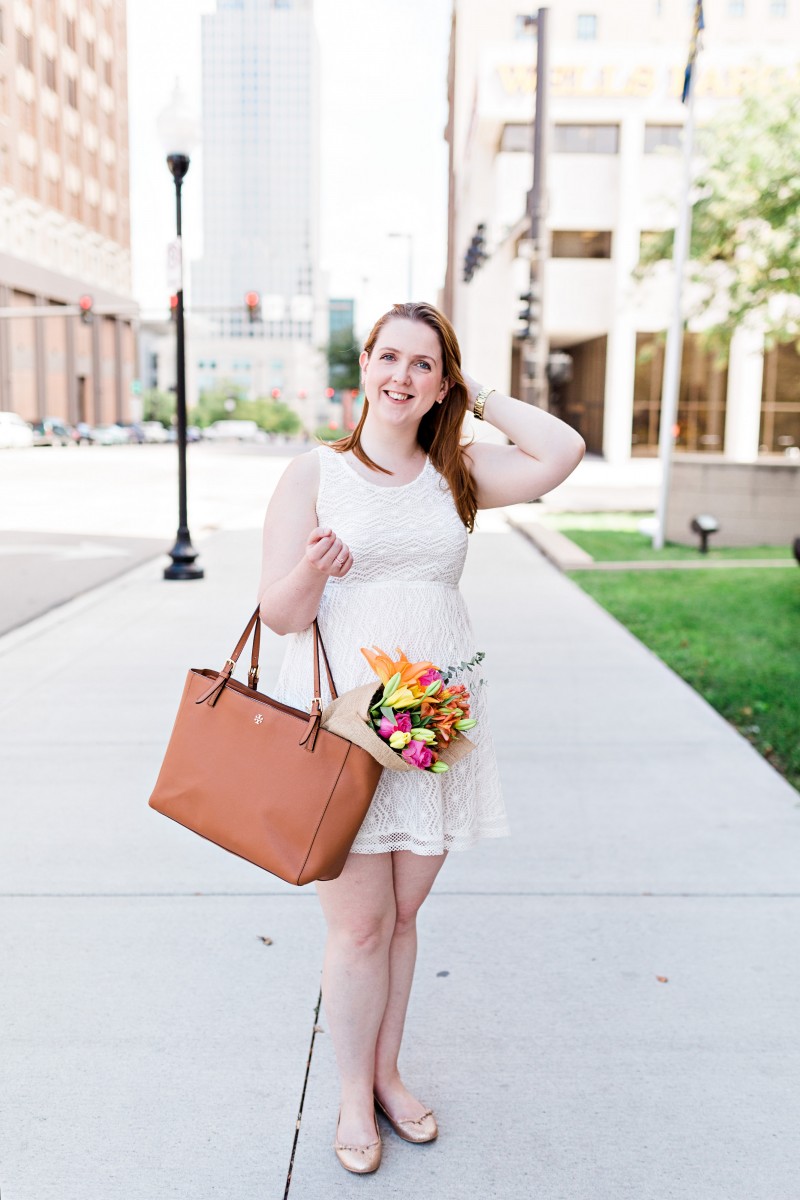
(423, 1129)
(361, 1160)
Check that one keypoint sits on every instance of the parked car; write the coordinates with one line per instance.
(154, 431)
(239, 431)
(52, 431)
(14, 431)
(134, 431)
(108, 435)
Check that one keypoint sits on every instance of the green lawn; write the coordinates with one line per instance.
(614, 537)
(733, 635)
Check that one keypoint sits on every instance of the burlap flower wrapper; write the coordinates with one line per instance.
(349, 717)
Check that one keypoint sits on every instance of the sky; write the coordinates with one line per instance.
(384, 157)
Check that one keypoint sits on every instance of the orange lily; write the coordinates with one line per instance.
(385, 668)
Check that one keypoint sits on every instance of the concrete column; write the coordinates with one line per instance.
(40, 362)
(5, 351)
(618, 414)
(743, 406)
(118, 371)
(72, 378)
(621, 356)
(98, 416)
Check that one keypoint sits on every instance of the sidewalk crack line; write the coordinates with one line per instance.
(303, 1095)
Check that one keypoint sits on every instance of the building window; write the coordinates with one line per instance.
(581, 243)
(49, 72)
(28, 115)
(69, 32)
(587, 27)
(90, 55)
(72, 92)
(586, 139)
(24, 50)
(780, 401)
(735, 8)
(107, 72)
(778, 8)
(660, 137)
(517, 139)
(701, 398)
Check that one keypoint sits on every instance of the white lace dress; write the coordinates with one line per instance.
(409, 545)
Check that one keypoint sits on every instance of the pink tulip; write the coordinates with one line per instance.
(402, 721)
(418, 754)
(429, 677)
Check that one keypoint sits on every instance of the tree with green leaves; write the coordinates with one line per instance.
(159, 406)
(343, 352)
(745, 243)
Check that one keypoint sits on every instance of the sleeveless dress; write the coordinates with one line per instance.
(408, 545)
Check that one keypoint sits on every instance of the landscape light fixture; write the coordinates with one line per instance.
(704, 525)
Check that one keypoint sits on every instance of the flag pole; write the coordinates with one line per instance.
(672, 358)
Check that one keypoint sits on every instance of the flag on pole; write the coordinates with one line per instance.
(698, 25)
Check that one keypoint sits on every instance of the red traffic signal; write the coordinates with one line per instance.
(330, 393)
(173, 308)
(276, 393)
(253, 302)
(85, 304)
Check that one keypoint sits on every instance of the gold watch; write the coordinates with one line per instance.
(480, 402)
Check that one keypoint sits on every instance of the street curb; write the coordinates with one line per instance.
(67, 609)
(554, 545)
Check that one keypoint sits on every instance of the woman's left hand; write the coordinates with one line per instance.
(473, 387)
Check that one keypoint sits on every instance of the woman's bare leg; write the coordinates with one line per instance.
(413, 877)
(359, 909)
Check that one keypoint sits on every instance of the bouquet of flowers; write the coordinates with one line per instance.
(415, 721)
(418, 712)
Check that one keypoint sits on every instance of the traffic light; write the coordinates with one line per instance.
(85, 304)
(173, 308)
(276, 393)
(330, 393)
(253, 302)
(476, 255)
(531, 314)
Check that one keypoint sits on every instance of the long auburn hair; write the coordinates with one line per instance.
(439, 432)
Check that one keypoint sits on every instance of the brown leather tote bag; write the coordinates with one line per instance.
(261, 779)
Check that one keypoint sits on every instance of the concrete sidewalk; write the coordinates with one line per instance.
(155, 1047)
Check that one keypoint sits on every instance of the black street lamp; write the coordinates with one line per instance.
(178, 132)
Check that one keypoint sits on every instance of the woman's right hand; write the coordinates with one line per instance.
(327, 553)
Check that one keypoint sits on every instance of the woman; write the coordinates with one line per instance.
(370, 535)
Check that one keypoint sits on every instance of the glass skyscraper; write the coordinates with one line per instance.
(260, 164)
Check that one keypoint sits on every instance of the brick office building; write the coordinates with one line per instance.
(64, 209)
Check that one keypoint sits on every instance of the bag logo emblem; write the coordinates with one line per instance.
(259, 720)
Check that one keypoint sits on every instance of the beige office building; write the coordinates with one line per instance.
(613, 175)
(64, 209)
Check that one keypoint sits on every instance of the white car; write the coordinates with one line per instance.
(240, 431)
(14, 431)
(154, 431)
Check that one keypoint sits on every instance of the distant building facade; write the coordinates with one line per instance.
(613, 175)
(260, 206)
(341, 315)
(64, 210)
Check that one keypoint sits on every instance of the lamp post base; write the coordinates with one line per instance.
(183, 555)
